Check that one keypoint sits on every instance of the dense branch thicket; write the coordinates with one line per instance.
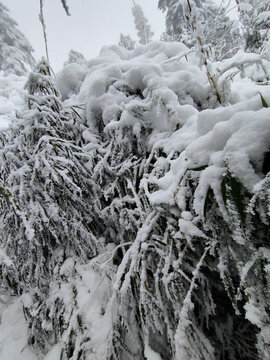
(135, 214)
(179, 242)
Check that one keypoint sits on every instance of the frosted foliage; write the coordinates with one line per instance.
(11, 97)
(44, 155)
(126, 42)
(141, 23)
(15, 51)
(75, 57)
(185, 20)
(70, 78)
(255, 17)
(178, 26)
(221, 33)
(136, 225)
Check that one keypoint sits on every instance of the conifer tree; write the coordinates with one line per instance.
(75, 57)
(45, 210)
(46, 172)
(141, 23)
(15, 50)
(126, 42)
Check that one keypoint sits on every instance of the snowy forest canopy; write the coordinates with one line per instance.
(135, 191)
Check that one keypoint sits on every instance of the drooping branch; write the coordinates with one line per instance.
(64, 3)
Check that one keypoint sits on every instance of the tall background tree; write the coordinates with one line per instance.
(141, 23)
(15, 50)
(75, 57)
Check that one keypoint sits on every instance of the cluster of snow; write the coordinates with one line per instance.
(11, 97)
(172, 96)
(94, 307)
(13, 330)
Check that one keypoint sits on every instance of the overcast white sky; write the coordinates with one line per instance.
(92, 24)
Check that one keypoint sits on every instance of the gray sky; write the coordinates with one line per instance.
(92, 24)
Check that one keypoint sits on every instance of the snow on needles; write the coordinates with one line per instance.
(156, 144)
(163, 94)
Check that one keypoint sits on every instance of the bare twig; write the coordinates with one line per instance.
(64, 3)
(41, 18)
(210, 77)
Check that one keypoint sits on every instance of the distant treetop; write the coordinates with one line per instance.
(15, 50)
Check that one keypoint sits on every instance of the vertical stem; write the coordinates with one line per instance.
(210, 77)
(41, 18)
(189, 6)
(205, 62)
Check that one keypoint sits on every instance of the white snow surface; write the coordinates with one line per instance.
(70, 78)
(11, 97)
(94, 306)
(13, 330)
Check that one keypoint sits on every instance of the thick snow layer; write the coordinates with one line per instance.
(70, 78)
(171, 90)
(94, 308)
(13, 331)
(169, 94)
(11, 97)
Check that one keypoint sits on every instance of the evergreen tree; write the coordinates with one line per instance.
(255, 17)
(126, 42)
(75, 57)
(46, 172)
(15, 50)
(143, 28)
